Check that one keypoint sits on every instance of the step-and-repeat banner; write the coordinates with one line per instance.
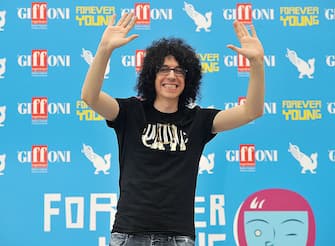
(269, 182)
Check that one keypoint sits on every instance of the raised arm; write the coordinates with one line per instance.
(252, 49)
(113, 37)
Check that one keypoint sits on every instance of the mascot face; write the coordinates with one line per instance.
(274, 217)
(272, 228)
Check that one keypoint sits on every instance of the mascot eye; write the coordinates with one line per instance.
(258, 233)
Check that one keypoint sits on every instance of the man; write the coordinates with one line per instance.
(160, 137)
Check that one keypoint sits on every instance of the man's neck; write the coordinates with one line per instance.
(166, 106)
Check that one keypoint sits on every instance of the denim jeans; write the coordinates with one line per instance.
(123, 239)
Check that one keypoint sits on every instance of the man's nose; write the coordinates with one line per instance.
(172, 73)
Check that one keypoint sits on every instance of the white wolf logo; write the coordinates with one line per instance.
(206, 163)
(2, 20)
(200, 20)
(88, 57)
(2, 67)
(2, 163)
(306, 162)
(2, 115)
(100, 164)
(303, 67)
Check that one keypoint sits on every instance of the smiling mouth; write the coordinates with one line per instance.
(170, 86)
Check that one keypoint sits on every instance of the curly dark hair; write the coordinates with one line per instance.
(153, 60)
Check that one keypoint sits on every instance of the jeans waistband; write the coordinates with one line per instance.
(158, 235)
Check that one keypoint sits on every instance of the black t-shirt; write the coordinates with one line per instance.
(159, 155)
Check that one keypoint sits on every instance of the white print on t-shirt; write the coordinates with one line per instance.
(164, 137)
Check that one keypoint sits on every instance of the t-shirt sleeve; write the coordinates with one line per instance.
(124, 106)
(207, 118)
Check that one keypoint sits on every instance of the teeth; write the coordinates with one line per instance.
(170, 86)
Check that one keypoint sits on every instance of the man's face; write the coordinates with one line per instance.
(170, 80)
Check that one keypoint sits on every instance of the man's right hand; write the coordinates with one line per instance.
(115, 36)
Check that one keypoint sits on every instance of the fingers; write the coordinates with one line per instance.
(240, 29)
(253, 31)
(234, 48)
(132, 23)
(112, 20)
(132, 37)
(126, 20)
(123, 17)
